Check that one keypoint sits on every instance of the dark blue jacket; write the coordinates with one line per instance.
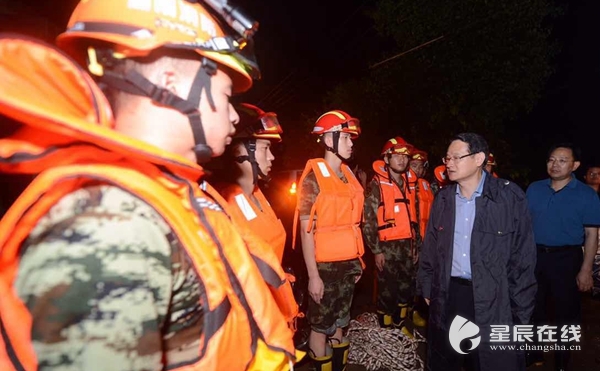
(503, 259)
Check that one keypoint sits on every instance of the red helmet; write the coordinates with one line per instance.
(491, 160)
(337, 121)
(257, 124)
(419, 155)
(397, 145)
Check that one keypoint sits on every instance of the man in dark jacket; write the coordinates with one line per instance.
(477, 262)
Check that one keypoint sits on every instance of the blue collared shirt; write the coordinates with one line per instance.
(559, 218)
(463, 226)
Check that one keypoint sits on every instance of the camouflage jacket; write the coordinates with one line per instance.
(102, 260)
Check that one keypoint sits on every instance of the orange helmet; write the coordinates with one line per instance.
(491, 160)
(441, 175)
(397, 145)
(337, 121)
(419, 155)
(136, 28)
(256, 123)
(112, 30)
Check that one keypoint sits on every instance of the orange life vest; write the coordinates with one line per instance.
(396, 207)
(61, 130)
(265, 224)
(338, 209)
(423, 191)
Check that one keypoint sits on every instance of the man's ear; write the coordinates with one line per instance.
(576, 165)
(328, 139)
(479, 158)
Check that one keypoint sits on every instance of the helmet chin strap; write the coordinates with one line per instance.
(251, 157)
(134, 83)
(335, 137)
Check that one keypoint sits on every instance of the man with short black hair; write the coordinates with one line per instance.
(566, 215)
(477, 261)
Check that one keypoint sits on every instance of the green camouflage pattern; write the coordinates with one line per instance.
(339, 280)
(435, 187)
(395, 284)
(109, 286)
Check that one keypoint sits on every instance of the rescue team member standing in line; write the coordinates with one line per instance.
(478, 260)
(424, 194)
(390, 232)
(330, 205)
(419, 163)
(114, 258)
(250, 159)
(252, 156)
(566, 215)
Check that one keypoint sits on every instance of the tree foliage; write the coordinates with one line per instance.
(490, 65)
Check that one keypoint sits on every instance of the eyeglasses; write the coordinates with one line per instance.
(447, 159)
(559, 161)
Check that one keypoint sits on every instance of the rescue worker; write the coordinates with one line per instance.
(419, 162)
(422, 188)
(252, 159)
(329, 207)
(491, 165)
(114, 258)
(390, 231)
(423, 201)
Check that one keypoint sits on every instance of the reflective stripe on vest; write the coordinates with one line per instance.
(266, 226)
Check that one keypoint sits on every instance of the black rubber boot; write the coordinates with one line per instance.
(340, 354)
(324, 363)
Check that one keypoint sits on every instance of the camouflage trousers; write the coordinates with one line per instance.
(334, 310)
(396, 283)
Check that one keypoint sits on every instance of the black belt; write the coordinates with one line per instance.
(461, 281)
(544, 248)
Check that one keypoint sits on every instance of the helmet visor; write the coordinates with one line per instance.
(351, 126)
(270, 123)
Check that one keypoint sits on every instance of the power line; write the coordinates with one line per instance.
(406, 52)
(276, 87)
(274, 94)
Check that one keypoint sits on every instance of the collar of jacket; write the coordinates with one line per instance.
(490, 189)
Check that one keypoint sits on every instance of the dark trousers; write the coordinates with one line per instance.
(556, 274)
(441, 356)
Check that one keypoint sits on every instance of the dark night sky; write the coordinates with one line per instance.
(305, 48)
